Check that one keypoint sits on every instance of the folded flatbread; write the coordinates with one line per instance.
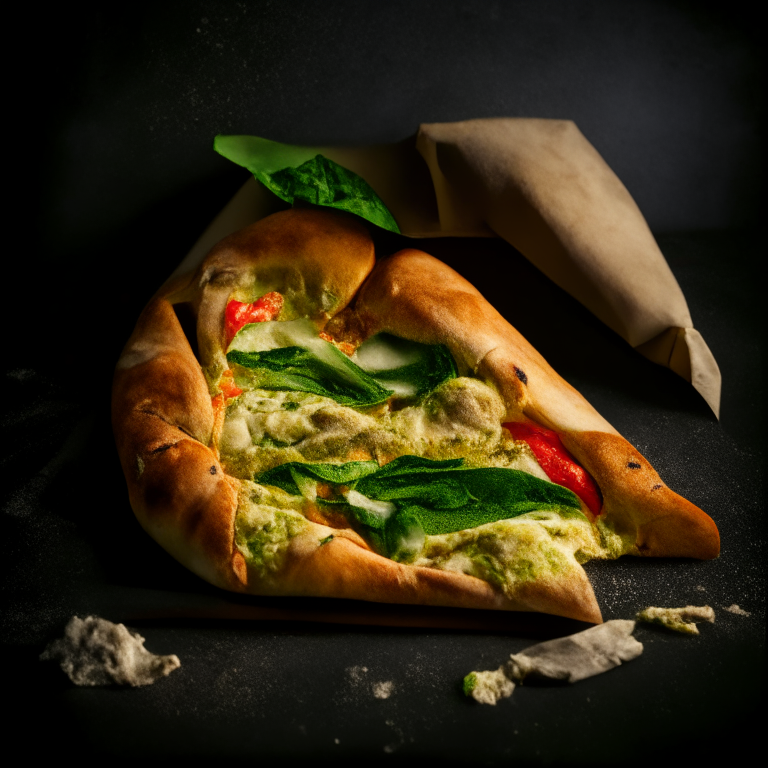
(256, 484)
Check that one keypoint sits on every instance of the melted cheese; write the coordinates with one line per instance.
(460, 419)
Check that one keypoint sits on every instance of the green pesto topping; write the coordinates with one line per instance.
(326, 540)
(470, 681)
(263, 530)
(511, 552)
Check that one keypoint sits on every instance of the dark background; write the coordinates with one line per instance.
(112, 116)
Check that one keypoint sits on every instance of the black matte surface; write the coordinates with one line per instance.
(122, 184)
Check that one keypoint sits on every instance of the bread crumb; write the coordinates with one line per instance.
(738, 611)
(383, 690)
(678, 619)
(95, 651)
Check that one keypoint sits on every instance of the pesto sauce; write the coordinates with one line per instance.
(265, 523)
(509, 553)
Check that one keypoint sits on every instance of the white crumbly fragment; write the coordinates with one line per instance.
(384, 689)
(568, 659)
(95, 651)
(576, 657)
(488, 687)
(678, 619)
(738, 611)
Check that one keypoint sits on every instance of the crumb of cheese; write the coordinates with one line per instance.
(95, 651)
(488, 687)
(678, 619)
(738, 611)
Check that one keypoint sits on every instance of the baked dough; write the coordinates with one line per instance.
(323, 263)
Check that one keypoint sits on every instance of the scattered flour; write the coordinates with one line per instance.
(357, 673)
(381, 690)
(95, 651)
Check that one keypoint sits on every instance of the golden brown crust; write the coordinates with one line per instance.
(322, 261)
(162, 419)
(315, 259)
(663, 523)
(342, 568)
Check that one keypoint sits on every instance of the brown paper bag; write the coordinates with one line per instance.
(541, 186)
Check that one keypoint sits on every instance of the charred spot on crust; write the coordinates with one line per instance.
(521, 375)
(188, 322)
(162, 448)
(657, 486)
(212, 470)
(633, 465)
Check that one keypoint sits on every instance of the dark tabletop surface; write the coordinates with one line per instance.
(117, 182)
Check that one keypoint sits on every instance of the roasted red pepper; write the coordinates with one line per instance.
(239, 314)
(558, 464)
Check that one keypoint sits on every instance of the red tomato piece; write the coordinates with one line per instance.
(227, 385)
(557, 462)
(239, 314)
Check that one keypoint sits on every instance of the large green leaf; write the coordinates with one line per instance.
(295, 369)
(299, 173)
(284, 475)
(291, 356)
(396, 505)
(407, 367)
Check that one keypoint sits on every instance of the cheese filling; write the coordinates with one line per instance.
(461, 418)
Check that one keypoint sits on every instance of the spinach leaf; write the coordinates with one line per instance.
(396, 505)
(289, 355)
(409, 368)
(299, 370)
(300, 173)
(284, 475)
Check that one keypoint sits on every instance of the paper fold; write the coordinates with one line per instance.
(542, 187)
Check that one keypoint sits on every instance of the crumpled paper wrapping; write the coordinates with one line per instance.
(542, 187)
